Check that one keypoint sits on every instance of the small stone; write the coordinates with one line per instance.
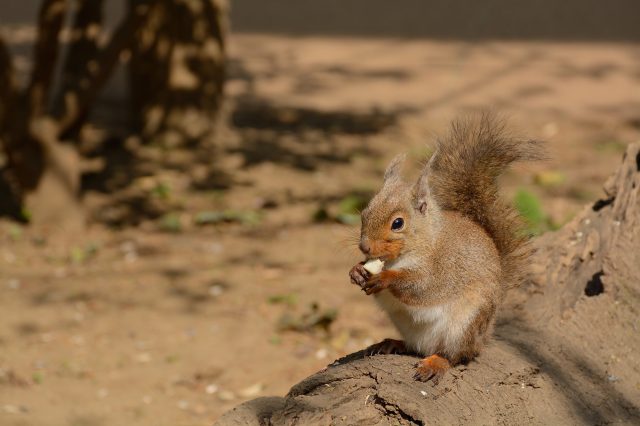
(252, 390)
(211, 389)
(322, 353)
(11, 409)
(215, 248)
(216, 290)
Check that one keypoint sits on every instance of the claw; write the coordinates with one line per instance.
(375, 285)
(386, 347)
(359, 275)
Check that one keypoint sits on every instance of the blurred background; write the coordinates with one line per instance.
(181, 179)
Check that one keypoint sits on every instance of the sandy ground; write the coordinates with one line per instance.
(151, 318)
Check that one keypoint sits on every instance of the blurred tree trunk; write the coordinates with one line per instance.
(78, 70)
(177, 70)
(177, 75)
(7, 84)
(43, 169)
(25, 155)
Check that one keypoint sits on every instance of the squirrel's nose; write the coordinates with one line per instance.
(364, 246)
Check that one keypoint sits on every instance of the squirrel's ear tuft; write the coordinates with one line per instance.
(394, 168)
(422, 192)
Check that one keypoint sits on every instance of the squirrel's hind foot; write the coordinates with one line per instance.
(432, 368)
(387, 347)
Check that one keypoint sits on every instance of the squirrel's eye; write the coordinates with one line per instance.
(397, 224)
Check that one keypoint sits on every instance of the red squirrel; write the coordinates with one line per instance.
(450, 246)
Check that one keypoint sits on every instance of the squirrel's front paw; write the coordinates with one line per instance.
(376, 283)
(359, 275)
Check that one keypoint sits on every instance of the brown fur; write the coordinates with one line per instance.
(461, 247)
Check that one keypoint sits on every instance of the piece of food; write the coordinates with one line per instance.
(374, 266)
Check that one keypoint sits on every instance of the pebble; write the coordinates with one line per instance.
(14, 409)
(211, 389)
(215, 290)
(252, 390)
(322, 353)
(215, 248)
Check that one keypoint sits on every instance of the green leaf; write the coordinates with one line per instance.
(245, 217)
(161, 190)
(170, 222)
(550, 179)
(348, 218)
(352, 204)
(289, 299)
(529, 207)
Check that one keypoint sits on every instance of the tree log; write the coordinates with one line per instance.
(566, 347)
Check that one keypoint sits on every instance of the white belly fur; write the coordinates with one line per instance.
(426, 329)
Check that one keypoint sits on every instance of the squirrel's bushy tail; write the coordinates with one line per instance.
(463, 174)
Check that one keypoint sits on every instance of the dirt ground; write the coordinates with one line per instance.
(208, 277)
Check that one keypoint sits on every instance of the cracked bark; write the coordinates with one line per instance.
(558, 357)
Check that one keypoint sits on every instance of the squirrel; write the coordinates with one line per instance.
(450, 246)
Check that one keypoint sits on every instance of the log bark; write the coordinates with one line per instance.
(565, 350)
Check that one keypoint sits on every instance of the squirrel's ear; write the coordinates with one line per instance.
(422, 191)
(422, 197)
(394, 168)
